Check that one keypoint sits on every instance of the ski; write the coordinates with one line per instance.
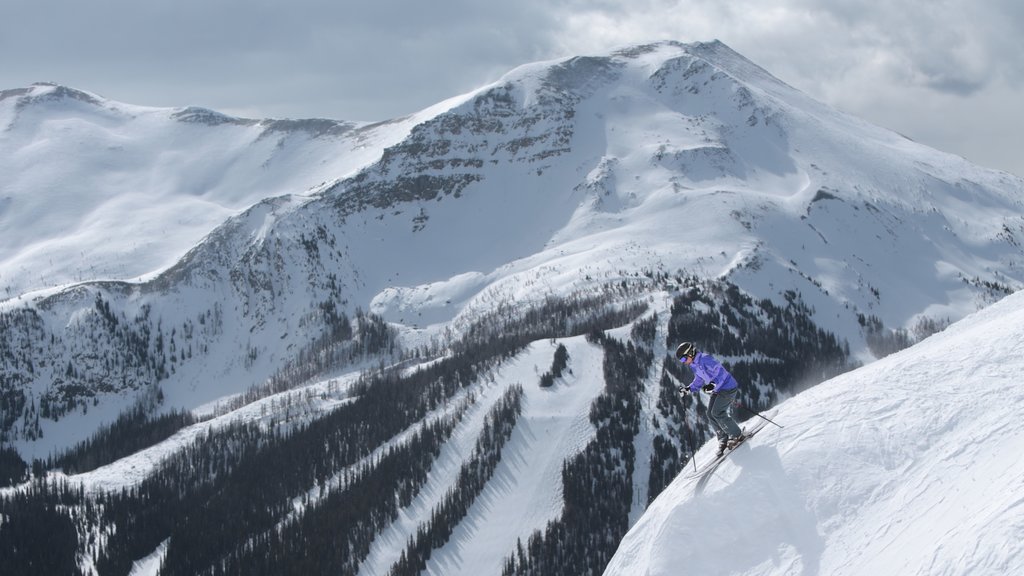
(710, 465)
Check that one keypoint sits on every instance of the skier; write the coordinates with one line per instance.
(709, 375)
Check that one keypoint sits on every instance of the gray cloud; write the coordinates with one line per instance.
(349, 59)
(899, 64)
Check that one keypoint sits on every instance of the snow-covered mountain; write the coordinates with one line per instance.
(97, 189)
(367, 289)
(906, 466)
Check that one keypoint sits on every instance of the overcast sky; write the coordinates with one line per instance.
(947, 73)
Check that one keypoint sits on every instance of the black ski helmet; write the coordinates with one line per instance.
(686, 350)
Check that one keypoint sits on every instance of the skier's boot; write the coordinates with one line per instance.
(722, 446)
(735, 441)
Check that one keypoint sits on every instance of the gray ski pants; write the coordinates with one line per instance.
(720, 412)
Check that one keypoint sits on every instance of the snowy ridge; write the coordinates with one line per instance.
(677, 177)
(906, 466)
(100, 189)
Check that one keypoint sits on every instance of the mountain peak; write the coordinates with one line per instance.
(199, 115)
(41, 92)
(604, 207)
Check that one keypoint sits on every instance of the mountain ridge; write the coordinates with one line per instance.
(679, 132)
(614, 204)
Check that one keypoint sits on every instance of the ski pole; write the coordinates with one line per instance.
(689, 439)
(758, 414)
(689, 446)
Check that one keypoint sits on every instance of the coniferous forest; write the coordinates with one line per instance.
(597, 484)
(310, 498)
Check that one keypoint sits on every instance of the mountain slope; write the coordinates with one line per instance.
(98, 189)
(364, 339)
(664, 158)
(906, 466)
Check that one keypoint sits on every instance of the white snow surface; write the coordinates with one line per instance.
(525, 492)
(693, 161)
(906, 466)
(910, 465)
(98, 189)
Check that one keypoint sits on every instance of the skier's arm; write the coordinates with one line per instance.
(718, 375)
(697, 383)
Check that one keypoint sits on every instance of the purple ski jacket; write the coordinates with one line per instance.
(707, 369)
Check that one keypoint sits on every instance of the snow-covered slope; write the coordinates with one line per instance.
(97, 189)
(524, 495)
(664, 189)
(907, 466)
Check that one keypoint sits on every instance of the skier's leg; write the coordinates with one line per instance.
(714, 408)
(720, 410)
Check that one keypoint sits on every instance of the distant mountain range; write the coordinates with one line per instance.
(199, 274)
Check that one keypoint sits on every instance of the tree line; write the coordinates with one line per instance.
(597, 484)
(311, 498)
(473, 478)
(226, 503)
(770, 349)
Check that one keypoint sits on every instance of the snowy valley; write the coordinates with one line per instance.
(441, 344)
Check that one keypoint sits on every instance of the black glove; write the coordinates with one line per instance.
(683, 390)
(709, 387)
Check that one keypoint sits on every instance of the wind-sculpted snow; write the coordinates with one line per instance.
(906, 466)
